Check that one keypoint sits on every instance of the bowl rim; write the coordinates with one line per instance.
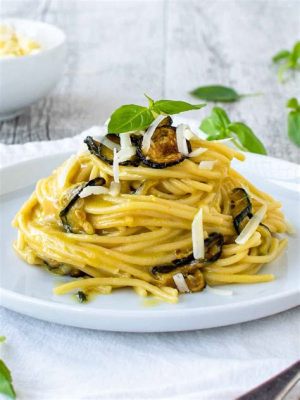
(61, 42)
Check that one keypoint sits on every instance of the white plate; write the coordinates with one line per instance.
(28, 289)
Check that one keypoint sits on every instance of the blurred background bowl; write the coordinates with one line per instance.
(26, 79)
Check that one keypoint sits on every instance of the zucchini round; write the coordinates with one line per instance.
(106, 154)
(163, 152)
(73, 197)
(166, 122)
(241, 208)
(213, 250)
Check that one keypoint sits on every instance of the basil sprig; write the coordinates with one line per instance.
(132, 117)
(287, 60)
(219, 93)
(218, 126)
(6, 386)
(294, 121)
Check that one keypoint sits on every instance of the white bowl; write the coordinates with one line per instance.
(26, 79)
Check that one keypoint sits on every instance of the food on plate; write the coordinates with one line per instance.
(157, 209)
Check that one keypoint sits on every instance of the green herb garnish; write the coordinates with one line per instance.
(219, 93)
(287, 60)
(132, 117)
(6, 386)
(294, 121)
(218, 126)
(81, 297)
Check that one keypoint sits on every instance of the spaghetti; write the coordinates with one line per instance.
(138, 233)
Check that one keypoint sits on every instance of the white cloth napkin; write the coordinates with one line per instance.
(54, 362)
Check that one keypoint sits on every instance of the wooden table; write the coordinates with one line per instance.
(117, 50)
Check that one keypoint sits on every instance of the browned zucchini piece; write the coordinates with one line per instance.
(213, 247)
(106, 154)
(163, 150)
(81, 296)
(58, 268)
(195, 281)
(74, 196)
(213, 250)
(266, 228)
(241, 208)
(166, 121)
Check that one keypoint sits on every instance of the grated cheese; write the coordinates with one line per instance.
(125, 140)
(181, 283)
(146, 143)
(126, 154)
(198, 235)
(109, 143)
(181, 140)
(188, 133)
(114, 189)
(198, 152)
(251, 226)
(89, 190)
(116, 166)
(127, 149)
(207, 164)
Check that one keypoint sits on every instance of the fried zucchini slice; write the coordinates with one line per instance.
(241, 208)
(163, 152)
(105, 153)
(213, 250)
(166, 122)
(73, 196)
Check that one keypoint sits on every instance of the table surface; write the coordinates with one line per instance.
(118, 50)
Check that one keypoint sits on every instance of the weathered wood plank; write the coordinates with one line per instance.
(232, 42)
(115, 54)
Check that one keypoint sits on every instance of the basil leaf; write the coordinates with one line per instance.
(281, 55)
(151, 101)
(215, 137)
(295, 54)
(293, 103)
(216, 93)
(220, 117)
(216, 124)
(6, 386)
(130, 118)
(174, 106)
(289, 60)
(294, 121)
(247, 138)
(294, 127)
(209, 127)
